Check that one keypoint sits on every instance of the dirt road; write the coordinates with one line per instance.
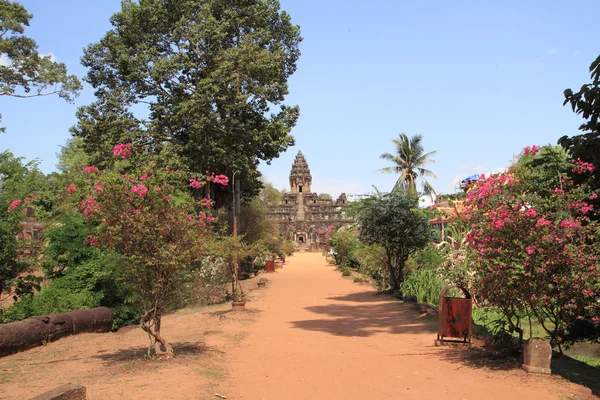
(311, 334)
(321, 336)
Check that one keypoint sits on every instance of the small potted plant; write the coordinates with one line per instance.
(238, 301)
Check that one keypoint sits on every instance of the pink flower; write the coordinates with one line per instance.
(123, 150)
(432, 207)
(140, 190)
(220, 179)
(497, 223)
(13, 205)
(71, 189)
(530, 249)
(582, 167)
(596, 320)
(531, 151)
(197, 183)
(531, 212)
(543, 222)
(157, 189)
(558, 191)
(90, 169)
(594, 196)
(88, 207)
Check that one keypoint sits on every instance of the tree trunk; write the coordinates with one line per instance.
(394, 284)
(150, 323)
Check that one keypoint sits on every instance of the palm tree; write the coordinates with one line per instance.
(410, 161)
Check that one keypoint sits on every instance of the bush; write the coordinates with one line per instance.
(91, 284)
(425, 284)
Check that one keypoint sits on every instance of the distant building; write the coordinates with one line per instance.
(30, 236)
(451, 209)
(302, 215)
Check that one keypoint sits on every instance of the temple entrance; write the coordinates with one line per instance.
(300, 189)
(301, 239)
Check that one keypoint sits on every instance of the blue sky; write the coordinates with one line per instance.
(479, 80)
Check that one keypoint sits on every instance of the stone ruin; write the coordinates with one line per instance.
(302, 214)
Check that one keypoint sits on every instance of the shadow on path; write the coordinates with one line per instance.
(369, 315)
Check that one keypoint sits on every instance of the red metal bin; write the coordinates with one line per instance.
(454, 316)
(271, 266)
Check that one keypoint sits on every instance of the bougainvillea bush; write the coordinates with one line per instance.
(535, 245)
(156, 230)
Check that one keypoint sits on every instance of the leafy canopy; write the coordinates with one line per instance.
(392, 221)
(209, 71)
(24, 72)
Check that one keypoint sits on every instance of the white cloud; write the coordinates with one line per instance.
(51, 55)
(4, 61)
(552, 51)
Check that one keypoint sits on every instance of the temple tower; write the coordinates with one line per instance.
(300, 178)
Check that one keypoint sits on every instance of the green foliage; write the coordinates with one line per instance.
(253, 222)
(425, 278)
(21, 187)
(211, 72)
(390, 221)
(345, 241)
(92, 283)
(424, 283)
(24, 71)
(586, 146)
(373, 262)
(66, 245)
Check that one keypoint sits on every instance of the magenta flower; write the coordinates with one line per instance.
(13, 205)
(123, 150)
(140, 190)
(71, 189)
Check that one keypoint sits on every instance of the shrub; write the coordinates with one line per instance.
(425, 284)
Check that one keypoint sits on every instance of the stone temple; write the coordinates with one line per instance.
(302, 215)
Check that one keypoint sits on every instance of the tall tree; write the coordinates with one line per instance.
(209, 71)
(409, 161)
(586, 102)
(24, 72)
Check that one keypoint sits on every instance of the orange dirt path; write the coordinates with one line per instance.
(311, 334)
(321, 336)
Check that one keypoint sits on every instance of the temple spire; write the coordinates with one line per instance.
(300, 178)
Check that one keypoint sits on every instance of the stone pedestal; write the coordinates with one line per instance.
(537, 355)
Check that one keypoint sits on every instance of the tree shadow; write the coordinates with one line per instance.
(137, 353)
(363, 297)
(477, 357)
(366, 318)
(577, 372)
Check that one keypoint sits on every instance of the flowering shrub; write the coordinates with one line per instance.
(535, 248)
(157, 238)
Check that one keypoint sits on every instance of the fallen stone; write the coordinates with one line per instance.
(65, 392)
(35, 331)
